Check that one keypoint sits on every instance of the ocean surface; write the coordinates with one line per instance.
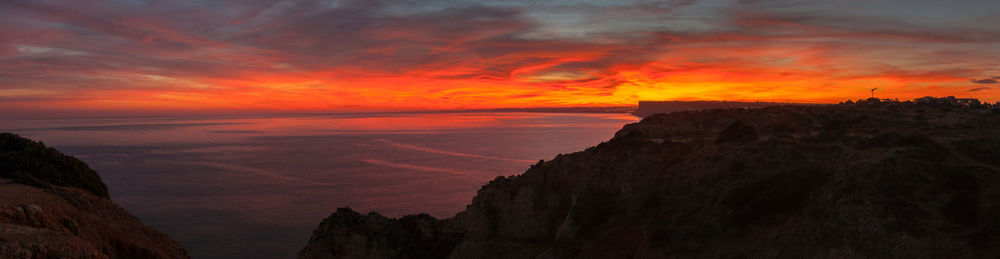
(256, 186)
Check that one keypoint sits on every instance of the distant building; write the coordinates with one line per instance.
(950, 100)
(972, 102)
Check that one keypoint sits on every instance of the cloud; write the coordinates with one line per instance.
(984, 81)
(977, 89)
(395, 54)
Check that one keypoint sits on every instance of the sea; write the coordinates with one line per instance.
(257, 186)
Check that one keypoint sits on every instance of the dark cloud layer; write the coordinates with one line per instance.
(984, 81)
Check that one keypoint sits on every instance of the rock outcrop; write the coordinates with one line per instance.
(842, 181)
(55, 206)
(351, 235)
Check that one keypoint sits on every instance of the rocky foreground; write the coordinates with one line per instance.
(844, 181)
(55, 206)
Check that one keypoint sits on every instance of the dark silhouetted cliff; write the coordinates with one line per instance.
(55, 206)
(647, 108)
(32, 163)
(841, 181)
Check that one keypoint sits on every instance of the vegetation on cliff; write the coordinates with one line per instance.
(32, 163)
(646, 108)
(876, 179)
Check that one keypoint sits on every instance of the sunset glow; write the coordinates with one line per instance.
(165, 56)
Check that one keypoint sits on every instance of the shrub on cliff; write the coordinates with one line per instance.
(737, 133)
(32, 163)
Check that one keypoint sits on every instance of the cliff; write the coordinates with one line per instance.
(647, 108)
(845, 181)
(55, 206)
(32, 163)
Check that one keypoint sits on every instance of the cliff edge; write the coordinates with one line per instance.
(845, 181)
(646, 108)
(55, 206)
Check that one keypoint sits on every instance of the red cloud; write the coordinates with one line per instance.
(375, 55)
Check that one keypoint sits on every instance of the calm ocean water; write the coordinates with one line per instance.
(256, 187)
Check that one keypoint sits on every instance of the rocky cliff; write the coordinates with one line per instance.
(844, 181)
(55, 206)
(647, 108)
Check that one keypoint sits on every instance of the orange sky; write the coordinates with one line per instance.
(138, 56)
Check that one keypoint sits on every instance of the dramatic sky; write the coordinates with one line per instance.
(263, 55)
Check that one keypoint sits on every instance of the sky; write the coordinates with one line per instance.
(151, 56)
